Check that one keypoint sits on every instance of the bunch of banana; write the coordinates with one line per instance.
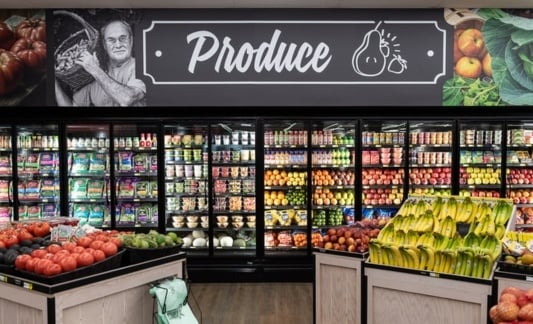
(407, 207)
(426, 238)
(472, 239)
(410, 255)
(449, 208)
(483, 209)
(421, 207)
(484, 225)
(393, 256)
(466, 212)
(386, 234)
(502, 212)
(446, 227)
(436, 206)
(474, 262)
(500, 231)
(427, 257)
(491, 246)
(425, 222)
(375, 252)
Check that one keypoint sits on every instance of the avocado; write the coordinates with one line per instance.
(26, 242)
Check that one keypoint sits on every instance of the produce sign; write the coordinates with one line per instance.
(454, 235)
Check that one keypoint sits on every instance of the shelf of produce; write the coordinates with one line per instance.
(97, 298)
(337, 294)
(444, 298)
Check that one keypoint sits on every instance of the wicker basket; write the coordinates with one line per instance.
(76, 77)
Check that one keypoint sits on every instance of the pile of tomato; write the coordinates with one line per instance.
(22, 51)
(58, 258)
(23, 231)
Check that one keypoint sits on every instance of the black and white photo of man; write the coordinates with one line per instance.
(115, 83)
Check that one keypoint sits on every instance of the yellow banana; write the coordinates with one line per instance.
(430, 251)
(413, 254)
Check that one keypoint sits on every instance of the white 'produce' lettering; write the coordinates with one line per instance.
(274, 55)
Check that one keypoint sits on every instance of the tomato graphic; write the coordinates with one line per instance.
(32, 28)
(11, 71)
(7, 37)
(32, 53)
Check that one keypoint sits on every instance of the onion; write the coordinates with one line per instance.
(507, 297)
(507, 311)
(526, 313)
(513, 290)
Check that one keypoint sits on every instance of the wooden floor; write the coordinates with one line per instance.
(257, 303)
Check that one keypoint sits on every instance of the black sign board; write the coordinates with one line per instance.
(293, 57)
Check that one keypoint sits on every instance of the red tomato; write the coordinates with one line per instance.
(32, 28)
(41, 265)
(7, 37)
(89, 249)
(41, 229)
(69, 246)
(60, 255)
(38, 253)
(75, 256)
(48, 256)
(84, 241)
(30, 264)
(52, 269)
(24, 234)
(109, 248)
(11, 71)
(85, 259)
(10, 240)
(20, 261)
(68, 263)
(98, 255)
(54, 248)
(116, 240)
(96, 244)
(32, 53)
(2, 244)
(78, 249)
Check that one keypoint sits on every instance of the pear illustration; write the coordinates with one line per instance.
(369, 59)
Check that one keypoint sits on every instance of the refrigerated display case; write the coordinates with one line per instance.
(384, 156)
(88, 173)
(480, 159)
(233, 170)
(6, 175)
(38, 176)
(519, 171)
(135, 175)
(285, 187)
(430, 157)
(186, 184)
(332, 174)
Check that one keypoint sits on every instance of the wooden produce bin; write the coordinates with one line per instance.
(337, 288)
(410, 296)
(506, 279)
(116, 296)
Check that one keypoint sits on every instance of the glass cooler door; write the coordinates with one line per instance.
(384, 157)
(233, 170)
(186, 184)
(38, 171)
(285, 187)
(135, 175)
(430, 157)
(88, 150)
(480, 159)
(519, 173)
(6, 175)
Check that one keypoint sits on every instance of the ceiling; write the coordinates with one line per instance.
(17, 4)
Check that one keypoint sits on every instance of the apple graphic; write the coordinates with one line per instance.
(470, 42)
(468, 67)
